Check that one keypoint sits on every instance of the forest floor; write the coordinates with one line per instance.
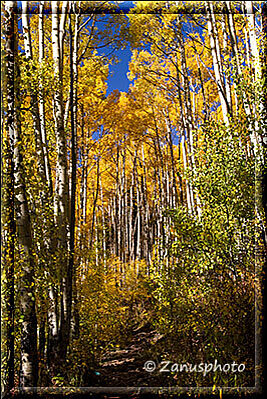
(124, 367)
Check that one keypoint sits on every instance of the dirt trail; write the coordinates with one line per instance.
(125, 367)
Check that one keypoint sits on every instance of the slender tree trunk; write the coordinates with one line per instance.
(138, 237)
(216, 65)
(170, 142)
(42, 102)
(9, 297)
(225, 51)
(257, 74)
(131, 213)
(264, 118)
(103, 228)
(62, 23)
(253, 40)
(95, 203)
(34, 99)
(189, 192)
(71, 274)
(28, 345)
(8, 266)
(123, 190)
(62, 200)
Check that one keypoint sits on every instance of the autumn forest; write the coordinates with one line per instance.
(133, 222)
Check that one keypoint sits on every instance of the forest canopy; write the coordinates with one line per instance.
(133, 222)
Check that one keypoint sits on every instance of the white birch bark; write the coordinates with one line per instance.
(59, 127)
(34, 98)
(62, 194)
(216, 66)
(253, 40)
(42, 101)
(28, 343)
(256, 63)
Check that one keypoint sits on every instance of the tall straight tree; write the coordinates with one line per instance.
(9, 217)
(28, 345)
(73, 113)
(61, 191)
(34, 98)
(42, 100)
(216, 58)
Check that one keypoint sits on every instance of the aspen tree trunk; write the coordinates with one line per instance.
(166, 220)
(123, 190)
(118, 204)
(146, 209)
(115, 210)
(8, 263)
(145, 212)
(103, 227)
(34, 99)
(256, 64)
(225, 50)
(71, 274)
(216, 39)
(133, 218)
(28, 344)
(189, 191)
(119, 226)
(95, 203)
(160, 196)
(114, 232)
(160, 160)
(206, 113)
(42, 342)
(131, 235)
(138, 237)
(42, 102)
(187, 103)
(82, 184)
(162, 191)
(246, 38)
(170, 142)
(62, 193)
(96, 240)
(85, 186)
(233, 38)
(188, 194)
(253, 40)
(264, 117)
(109, 231)
(72, 98)
(125, 221)
(62, 23)
(9, 297)
(44, 170)
(218, 77)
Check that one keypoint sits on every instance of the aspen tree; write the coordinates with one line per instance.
(9, 217)
(42, 101)
(28, 344)
(34, 97)
(216, 64)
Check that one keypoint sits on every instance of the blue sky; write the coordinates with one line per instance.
(118, 78)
